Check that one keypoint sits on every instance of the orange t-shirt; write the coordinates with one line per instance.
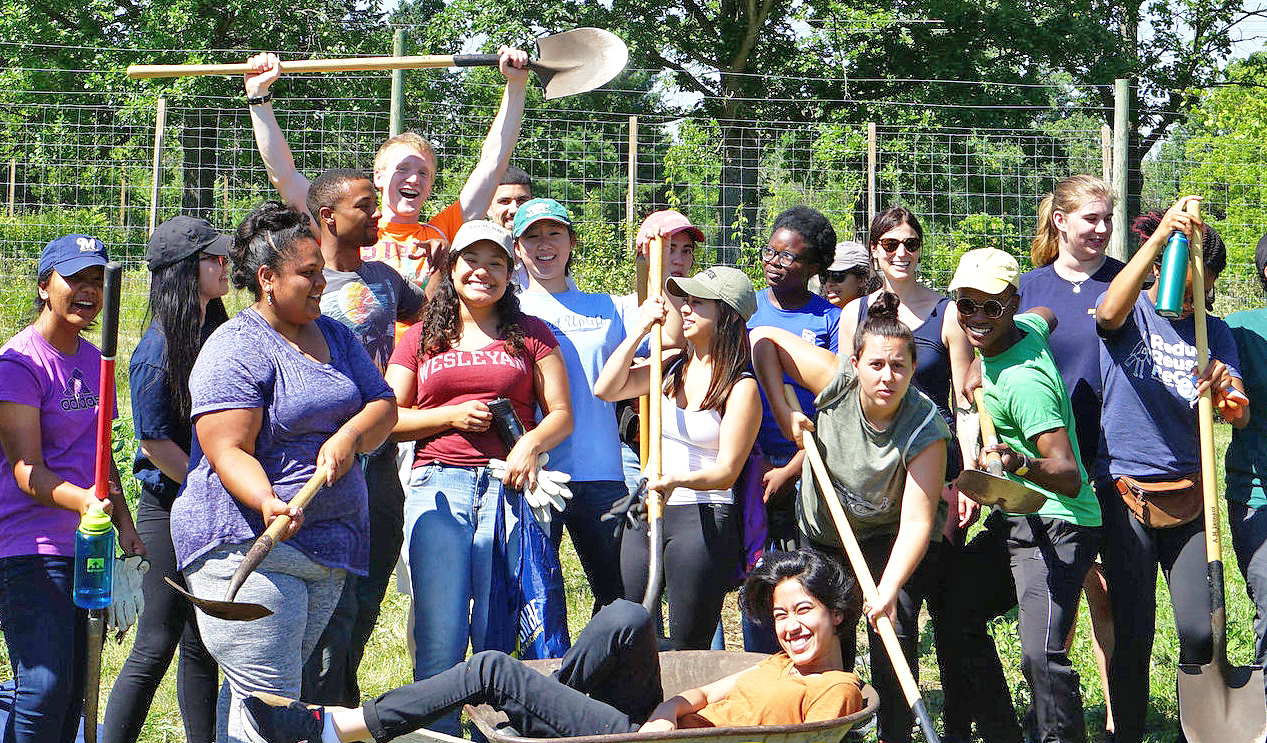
(774, 694)
(402, 246)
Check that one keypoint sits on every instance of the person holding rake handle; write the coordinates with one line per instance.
(278, 393)
(884, 444)
(48, 411)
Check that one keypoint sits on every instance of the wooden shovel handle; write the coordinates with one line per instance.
(884, 628)
(345, 64)
(265, 542)
(993, 462)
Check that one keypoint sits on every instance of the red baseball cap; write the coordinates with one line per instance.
(666, 223)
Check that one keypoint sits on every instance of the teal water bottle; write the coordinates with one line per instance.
(1174, 276)
(94, 559)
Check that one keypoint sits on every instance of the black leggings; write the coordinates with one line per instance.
(609, 682)
(702, 544)
(1132, 553)
(168, 621)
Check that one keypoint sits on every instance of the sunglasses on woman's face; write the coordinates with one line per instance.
(838, 277)
(992, 308)
(890, 244)
(217, 258)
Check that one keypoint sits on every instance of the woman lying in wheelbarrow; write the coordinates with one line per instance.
(609, 681)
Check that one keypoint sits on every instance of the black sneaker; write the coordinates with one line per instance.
(281, 720)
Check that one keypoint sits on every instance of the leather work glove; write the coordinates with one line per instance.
(550, 492)
(128, 600)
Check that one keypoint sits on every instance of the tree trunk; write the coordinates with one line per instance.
(741, 152)
(198, 140)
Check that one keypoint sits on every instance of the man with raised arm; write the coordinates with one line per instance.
(404, 171)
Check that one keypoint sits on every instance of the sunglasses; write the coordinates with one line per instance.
(839, 276)
(778, 257)
(992, 308)
(221, 259)
(890, 244)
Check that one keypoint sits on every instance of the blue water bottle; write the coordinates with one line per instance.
(1172, 281)
(94, 559)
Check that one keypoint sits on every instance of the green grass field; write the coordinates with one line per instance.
(387, 665)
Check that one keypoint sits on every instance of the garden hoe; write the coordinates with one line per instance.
(992, 488)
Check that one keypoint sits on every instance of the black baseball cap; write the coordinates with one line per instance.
(180, 237)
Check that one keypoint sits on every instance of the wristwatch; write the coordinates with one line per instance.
(1023, 470)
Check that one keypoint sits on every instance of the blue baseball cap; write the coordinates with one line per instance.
(536, 210)
(71, 254)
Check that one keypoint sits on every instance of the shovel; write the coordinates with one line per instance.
(229, 609)
(101, 479)
(992, 488)
(1218, 702)
(655, 399)
(883, 627)
(567, 63)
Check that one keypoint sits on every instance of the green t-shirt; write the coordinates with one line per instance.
(867, 465)
(1246, 460)
(1025, 397)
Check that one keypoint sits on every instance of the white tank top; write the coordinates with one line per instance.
(689, 442)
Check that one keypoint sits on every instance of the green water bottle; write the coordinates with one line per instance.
(1173, 281)
(94, 559)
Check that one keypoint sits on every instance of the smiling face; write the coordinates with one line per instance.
(506, 201)
(805, 627)
(405, 176)
(296, 288)
(792, 277)
(213, 277)
(355, 215)
(74, 300)
(545, 247)
(1084, 233)
(987, 334)
(884, 366)
(903, 263)
(480, 274)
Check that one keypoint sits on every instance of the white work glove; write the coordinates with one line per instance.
(128, 600)
(551, 490)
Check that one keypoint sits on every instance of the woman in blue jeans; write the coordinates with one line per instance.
(48, 409)
(609, 682)
(188, 277)
(473, 345)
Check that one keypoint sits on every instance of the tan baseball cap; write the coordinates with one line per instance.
(723, 283)
(987, 270)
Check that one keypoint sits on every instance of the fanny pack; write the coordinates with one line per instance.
(1163, 504)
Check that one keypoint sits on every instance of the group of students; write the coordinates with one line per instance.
(376, 341)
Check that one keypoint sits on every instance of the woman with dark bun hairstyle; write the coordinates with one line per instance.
(277, 392)
(884, 445)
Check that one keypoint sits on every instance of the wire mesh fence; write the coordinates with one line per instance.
(85, 163)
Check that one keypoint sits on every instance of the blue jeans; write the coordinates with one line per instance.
(47, 639)
(1249, 535)
(597, 543)
(449, 517)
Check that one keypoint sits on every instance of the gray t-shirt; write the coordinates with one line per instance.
(867, 465)
(369, 301)
(245, 364)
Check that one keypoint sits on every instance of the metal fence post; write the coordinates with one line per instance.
(871, 167)
(1117, 244)
(13, 183)
(396, 122)
(1106, 152)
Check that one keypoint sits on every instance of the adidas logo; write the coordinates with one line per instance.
(77, 395)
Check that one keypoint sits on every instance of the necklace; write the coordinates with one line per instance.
(1077, 285)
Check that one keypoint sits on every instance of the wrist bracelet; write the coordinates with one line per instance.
(1023, 470)
(255, 101)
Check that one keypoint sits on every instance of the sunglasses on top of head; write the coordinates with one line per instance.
(890, 244)
(992, 308)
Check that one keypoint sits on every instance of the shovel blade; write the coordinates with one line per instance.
(1219, 703)
(579, 60)
(989, 490)
(232, 611)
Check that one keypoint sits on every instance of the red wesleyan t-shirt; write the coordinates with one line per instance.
(453, 377)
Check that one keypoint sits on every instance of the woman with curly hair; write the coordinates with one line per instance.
(277, 393)
(473, 345)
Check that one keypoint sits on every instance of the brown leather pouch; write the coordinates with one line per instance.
(1165, 504)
